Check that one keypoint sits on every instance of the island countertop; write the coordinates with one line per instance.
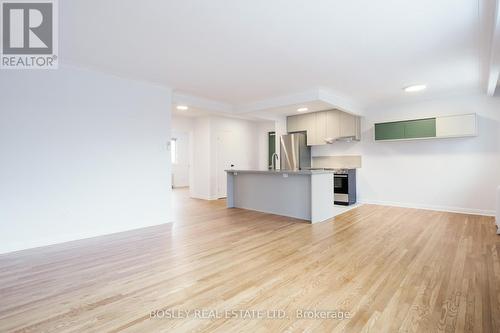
(280, 172)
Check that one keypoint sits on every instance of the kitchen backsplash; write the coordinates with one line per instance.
(337, 162)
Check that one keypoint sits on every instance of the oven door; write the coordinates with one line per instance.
(340, 184)
(341, 189)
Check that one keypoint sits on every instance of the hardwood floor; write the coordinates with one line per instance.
(392, 269)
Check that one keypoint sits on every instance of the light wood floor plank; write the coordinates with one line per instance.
(393, 269)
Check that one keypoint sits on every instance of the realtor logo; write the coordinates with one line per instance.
(29, 34)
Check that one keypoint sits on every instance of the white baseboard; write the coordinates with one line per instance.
(460, 210)
(203, 197)
(30, 244)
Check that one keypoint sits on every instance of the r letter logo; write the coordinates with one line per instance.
(29, 34)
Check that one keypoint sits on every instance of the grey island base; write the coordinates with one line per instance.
(304, 194)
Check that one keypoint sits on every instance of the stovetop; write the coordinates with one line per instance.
(337, 171)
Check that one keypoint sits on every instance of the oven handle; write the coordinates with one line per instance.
(343, 176)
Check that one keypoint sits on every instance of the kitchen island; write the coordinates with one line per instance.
(302, 194)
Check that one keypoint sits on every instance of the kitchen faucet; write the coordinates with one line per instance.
(274, 159)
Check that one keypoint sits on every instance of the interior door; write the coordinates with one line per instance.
(225, 155)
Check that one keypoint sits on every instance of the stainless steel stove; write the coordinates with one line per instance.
(344, 185)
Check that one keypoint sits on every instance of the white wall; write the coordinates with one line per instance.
(244, 150)
(182, 123)
(459, 174)
(81, 154)
(180, 169)
(200, 170)
(263, 129)
(182, 131)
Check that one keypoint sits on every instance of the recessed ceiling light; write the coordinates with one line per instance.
(415, 88)
(182, 107)
(302, 109)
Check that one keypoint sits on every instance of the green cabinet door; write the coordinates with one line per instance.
(390, 131)
(420, 128)
(271, 147)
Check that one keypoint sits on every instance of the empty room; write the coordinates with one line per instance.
(250, 166)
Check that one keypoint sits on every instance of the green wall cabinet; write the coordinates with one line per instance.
(421, 128)
(271, 141)
(449, 126)
(390, 131)
(406, 130)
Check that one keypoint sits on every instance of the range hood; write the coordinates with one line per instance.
(346, 138)
(341, 139)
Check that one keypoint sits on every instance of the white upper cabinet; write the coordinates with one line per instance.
(349, 126)
(456, 126)
(325, 126)
(293, 124)
(332, 125)
(309, 124)
(300, 123)
(319, 133)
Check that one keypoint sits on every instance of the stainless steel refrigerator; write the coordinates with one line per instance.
(294, 152)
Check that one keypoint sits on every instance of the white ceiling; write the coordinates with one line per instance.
(194, 112)
(311, 106)
(240, 52)
(191, 112)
